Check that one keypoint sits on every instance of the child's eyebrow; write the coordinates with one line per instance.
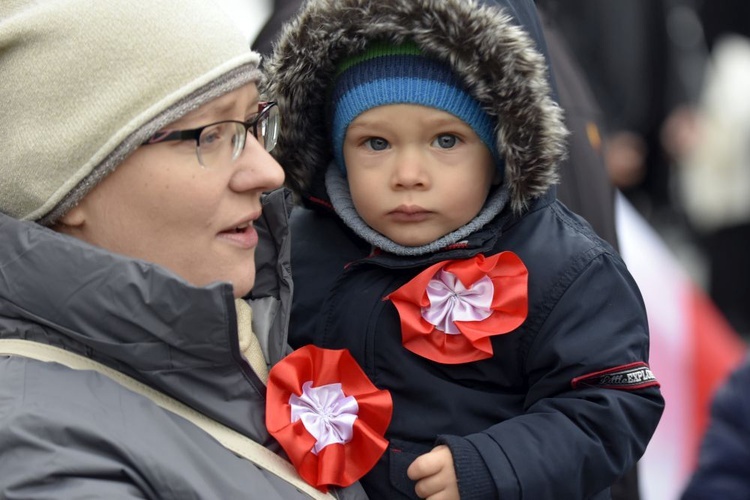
(365, 124)
(439, 121)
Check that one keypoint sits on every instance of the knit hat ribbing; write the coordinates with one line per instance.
(400, 74)
(84, 83)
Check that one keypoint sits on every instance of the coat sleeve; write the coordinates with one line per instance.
(725, 454)
(574, 439)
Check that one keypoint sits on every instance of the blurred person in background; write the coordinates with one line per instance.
(675, 127)
(624, 51)
(711, 139)
(723, 470)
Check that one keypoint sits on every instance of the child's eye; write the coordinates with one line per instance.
(445, 141)
(376, 143)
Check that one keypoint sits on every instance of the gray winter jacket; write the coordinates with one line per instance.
(78, 434)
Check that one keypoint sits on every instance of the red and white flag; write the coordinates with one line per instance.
(693, 349)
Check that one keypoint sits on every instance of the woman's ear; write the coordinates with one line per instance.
(73, 219)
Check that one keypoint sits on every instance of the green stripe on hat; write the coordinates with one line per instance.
(379, 49)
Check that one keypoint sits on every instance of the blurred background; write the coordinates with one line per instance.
(657, 94)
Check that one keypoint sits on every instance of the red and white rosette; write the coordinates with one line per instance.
(327, 415)
(450, 311)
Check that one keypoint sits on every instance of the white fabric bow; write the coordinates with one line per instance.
(451, 301)
(326, 412)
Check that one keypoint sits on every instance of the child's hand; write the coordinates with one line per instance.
(435, 475)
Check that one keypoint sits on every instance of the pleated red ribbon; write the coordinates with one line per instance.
(339, 464)
(508, 308)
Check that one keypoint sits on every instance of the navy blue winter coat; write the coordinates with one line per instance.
(514, 423)
(567, 403)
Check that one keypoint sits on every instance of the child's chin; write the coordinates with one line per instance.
(410, 241)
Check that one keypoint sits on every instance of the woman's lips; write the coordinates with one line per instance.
(244, 236)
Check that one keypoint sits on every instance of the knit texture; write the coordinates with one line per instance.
(476, 482)
(399, 74)
(84, 83)
(341, 200)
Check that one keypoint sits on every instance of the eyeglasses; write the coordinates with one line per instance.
(221, 143)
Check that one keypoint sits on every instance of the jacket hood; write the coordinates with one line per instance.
(495, 56)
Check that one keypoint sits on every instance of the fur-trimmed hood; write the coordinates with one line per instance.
(497, 60)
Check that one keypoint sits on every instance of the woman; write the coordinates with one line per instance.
(135, 133)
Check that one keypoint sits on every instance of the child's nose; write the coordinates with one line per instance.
(409, 171)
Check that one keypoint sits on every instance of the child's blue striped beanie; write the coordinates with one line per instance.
(400, 74)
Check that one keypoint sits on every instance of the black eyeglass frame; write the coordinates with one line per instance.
(264, 110)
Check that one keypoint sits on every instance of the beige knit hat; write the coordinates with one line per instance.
(83, 83)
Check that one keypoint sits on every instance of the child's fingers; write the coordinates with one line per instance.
(434, 475)
(420, 468)
(429, 487)
(427, 464)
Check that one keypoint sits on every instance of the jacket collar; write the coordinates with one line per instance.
(120, 307)
(483, 240)
(134, 316)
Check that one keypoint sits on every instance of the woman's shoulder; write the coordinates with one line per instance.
(111, 442)
(51, 396)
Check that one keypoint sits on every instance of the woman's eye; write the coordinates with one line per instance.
(445, 141)
(210, 138)
(215, 135)
(376, 143)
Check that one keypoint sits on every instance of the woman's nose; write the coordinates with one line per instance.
(256, 169)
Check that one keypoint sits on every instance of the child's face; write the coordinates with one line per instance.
(416, 173)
